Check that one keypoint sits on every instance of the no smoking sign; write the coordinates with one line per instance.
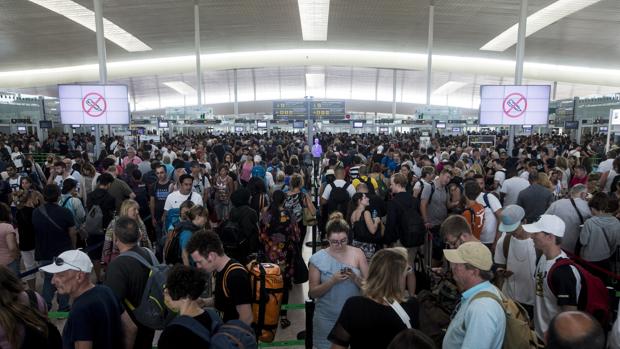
(94, 104)
(515, 104)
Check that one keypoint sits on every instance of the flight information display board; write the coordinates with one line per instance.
(298, 110)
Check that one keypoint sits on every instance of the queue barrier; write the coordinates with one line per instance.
(59, 315)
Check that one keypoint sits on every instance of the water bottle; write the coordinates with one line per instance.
(374, 214)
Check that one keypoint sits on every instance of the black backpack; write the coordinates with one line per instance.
(412, 230)
(231, 235)
(338, 199)
(368, 182)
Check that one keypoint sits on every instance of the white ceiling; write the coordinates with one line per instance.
(32, 37)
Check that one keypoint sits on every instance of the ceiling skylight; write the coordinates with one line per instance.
(314, 16)
(181, 88)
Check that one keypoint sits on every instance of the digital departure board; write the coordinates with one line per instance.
(297, 110)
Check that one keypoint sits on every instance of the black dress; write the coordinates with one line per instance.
(23, 218)
(364, 323)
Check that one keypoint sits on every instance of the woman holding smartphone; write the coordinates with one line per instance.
(335, 274)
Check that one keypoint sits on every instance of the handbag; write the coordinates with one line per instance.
(308, 218)
(300, 268)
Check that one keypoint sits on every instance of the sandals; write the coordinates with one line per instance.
(284, 322)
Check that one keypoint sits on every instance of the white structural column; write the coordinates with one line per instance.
(429, 59)
(197, 46)
(103, 69)
(236, 104)
(519, 64)
(393, 94)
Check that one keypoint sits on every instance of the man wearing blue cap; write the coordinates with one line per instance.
(515, 258)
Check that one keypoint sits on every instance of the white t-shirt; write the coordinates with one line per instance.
(546, 304)
(607, 166)
(340, 183)
(487, 236)
(512, 187)
(175, 199)
(500, 176)
(525, 175)
(522, 262)
(17, 159)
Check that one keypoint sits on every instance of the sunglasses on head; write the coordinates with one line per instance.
(60, 262)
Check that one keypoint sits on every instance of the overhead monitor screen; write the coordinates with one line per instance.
(75, 126)
(46, 124)
(456, 129)
(514, 105)
(383, 129)
(602, 129)
(94, 104)
(261, 124)
(441, 125)
(358, 124)
(21, 129)
(527, 126)
(238, 129)
(571, 125)
(298, 124)
(163, 124)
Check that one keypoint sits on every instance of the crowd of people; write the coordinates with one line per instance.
(523, 240)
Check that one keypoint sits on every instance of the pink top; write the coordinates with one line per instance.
(5, 255)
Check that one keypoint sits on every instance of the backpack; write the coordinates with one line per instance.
(174, 215)
(338, 199)
(382, 188)
(412, 230)
(231, 235)
(152, 312)
(594, 297)
(231, 335)
(93, 225)
(267, 292)
(475, 218)
(172, 248)
(368, 182)
(518, 334)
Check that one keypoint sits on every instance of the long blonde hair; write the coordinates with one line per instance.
(385, 273)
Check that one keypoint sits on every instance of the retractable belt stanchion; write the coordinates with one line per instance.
(309, 328)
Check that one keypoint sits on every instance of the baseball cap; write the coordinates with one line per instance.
(473, 253)
(70, 260)
(512, 215)
(330, 172)
(547, 223)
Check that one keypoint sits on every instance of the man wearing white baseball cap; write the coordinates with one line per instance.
(95, 317)
(515, 258)
(480, 321)
(547, 234)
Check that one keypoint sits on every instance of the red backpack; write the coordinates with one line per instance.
(594, 297)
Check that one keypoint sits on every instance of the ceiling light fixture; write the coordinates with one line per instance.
(537, 21)
(86, 18)
(449, 87)
(181, 87)
(314, 17)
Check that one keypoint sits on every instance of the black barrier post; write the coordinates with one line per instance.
(316, 194)
(309, 316)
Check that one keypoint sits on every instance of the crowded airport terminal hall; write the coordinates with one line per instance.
(309, 174)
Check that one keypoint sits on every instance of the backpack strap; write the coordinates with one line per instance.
(560, 263)
(488, 294)
(194, 326)
(576, 209)
(506, 246)
(430, 197)
(64, 203)
(485, 198)
(400, 311)
(234, 266)
(141, 259)
(189, 197)
(32, 298)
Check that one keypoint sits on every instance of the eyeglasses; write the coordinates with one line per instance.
(339, 242)
(59, 262)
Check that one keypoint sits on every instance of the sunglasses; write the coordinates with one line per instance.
(60, 262)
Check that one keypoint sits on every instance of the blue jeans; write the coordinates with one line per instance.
(49, 289)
